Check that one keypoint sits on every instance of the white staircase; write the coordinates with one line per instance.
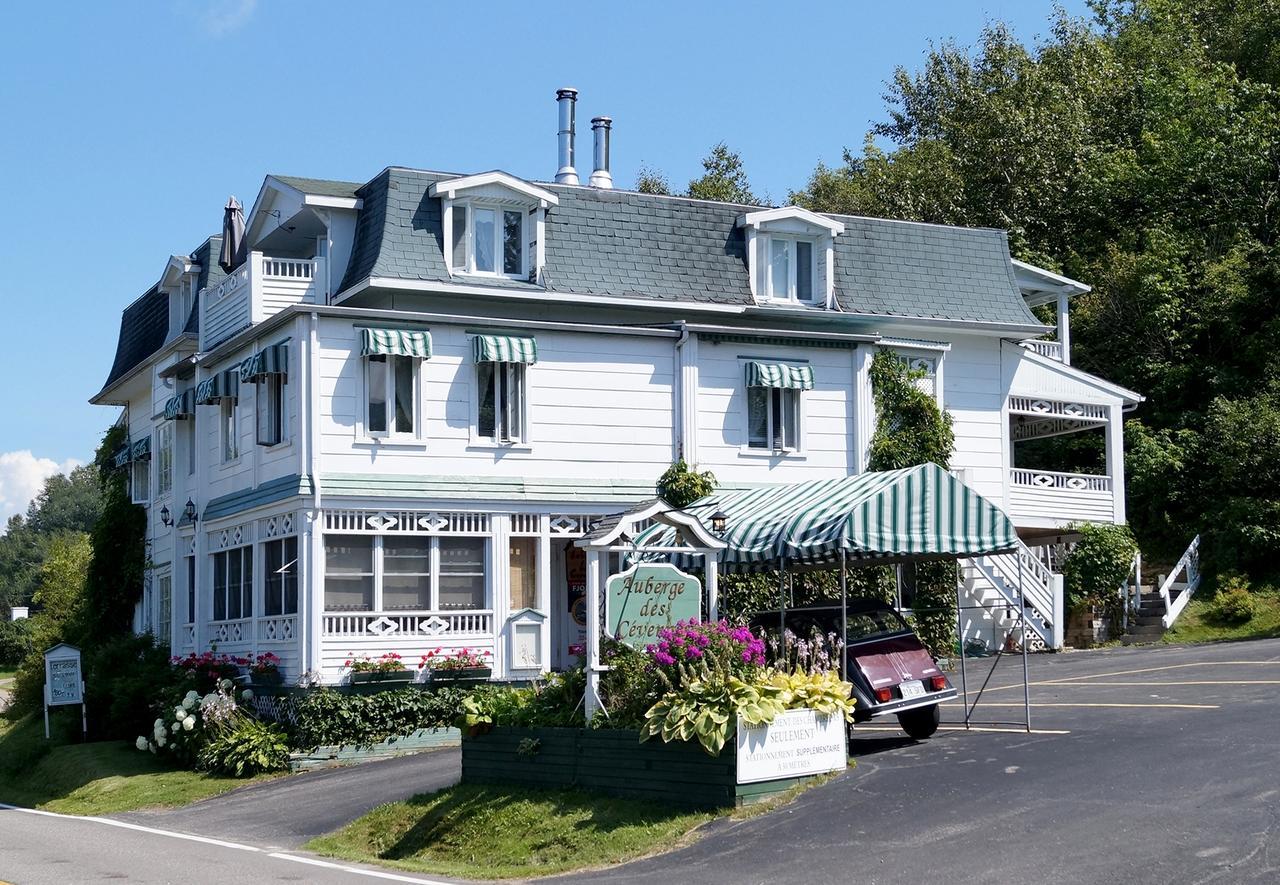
(992, 586)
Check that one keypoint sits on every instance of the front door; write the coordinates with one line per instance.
(569, 603)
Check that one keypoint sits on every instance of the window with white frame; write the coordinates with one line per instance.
(773, 419)
(391, 385)
(405, 573)
(233, 584)
(269, 402)
(229, 429)
(793, 266)
(164, 459)
(191, 590)
(488, 240)
(164, 598)
(140, 481)
(523, 561)
(186, 297)
(280, 582)
(502, 412)
(189, 441)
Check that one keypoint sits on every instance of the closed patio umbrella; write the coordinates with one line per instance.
(232, 254)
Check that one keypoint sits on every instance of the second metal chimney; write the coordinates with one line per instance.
(600, 128)
(567, 98)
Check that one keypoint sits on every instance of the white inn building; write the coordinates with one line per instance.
(395, 416)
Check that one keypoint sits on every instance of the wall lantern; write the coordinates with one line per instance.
(719, 522)
(165, 516)
(189, 512)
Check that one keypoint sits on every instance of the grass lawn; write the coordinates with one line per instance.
(6, 675)
(497, 832)
(1192, 625)
(97, 778)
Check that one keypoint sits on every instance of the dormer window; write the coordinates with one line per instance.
(791, 256)
(488, 240)
(494, 225)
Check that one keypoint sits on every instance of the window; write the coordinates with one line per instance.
(229, 429)
(773, 418)
(405, 573)
(233, 584)
(270, 405)
(164, 459)
(524, 572)
(348, 573)
(488, 240)
(189, 438)
(191, 590)
(791, 270)
(390, 382)
(502, 401)
(140, 481)
(164, 620)
(186, 295)
(280, 584)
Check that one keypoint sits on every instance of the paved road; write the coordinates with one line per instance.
(1166, 770)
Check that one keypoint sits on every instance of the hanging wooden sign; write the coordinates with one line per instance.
(647, 597)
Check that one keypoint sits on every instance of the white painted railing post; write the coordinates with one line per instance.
(1059, 627)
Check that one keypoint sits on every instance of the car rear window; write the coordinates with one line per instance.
(865, 625)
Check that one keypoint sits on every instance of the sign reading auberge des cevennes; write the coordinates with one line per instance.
(795, 743)
(647, 597)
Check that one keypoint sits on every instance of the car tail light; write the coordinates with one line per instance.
(884, 695)
(938, 683)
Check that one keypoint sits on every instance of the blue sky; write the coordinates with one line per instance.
(126, 126)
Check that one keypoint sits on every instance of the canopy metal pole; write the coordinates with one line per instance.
(844, 614)
(1022, 628)
(592, 694)
(782, 606)
(964, 680)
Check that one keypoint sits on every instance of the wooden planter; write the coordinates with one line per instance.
(455, 677)
(611, 761)
(362, 682)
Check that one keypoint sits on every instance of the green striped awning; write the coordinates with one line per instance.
(396, 342)
(141, 449)
(896, 514)
(504, 349)
(181, 405)
(122, 455)
(779, 375)
(224, 385)
(273, 360)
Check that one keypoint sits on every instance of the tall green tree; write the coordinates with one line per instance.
(115, 575)
(724, 178)
(65, 503)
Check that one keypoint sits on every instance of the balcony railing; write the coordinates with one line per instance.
(1060, 497)
(1045, 347)
(425, 624)
(257, 289)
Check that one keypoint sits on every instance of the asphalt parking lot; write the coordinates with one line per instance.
(1145, 765)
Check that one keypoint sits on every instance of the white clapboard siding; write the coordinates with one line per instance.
(973, 394)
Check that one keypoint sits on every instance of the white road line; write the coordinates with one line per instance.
(221, 843)
(1011, 730)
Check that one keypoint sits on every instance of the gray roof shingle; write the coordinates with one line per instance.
(321, 187)
(642, 246)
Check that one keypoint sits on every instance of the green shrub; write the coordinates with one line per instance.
(15, 642)
(681, 485)
(556, 702)
(326, 718)
(627, 689)
(249, 747)
(1098, 565)
(1233, 603)
(123, 677)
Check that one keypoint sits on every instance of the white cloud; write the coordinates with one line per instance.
(22, 475)
(222, 17)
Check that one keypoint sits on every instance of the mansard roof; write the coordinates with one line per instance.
(619, 243)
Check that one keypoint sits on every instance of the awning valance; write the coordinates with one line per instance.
(779, 375)
(224, 385)
(122, 455)
(896, 514)
(181, 405)
(504, 349)
(273, 360)
(396, 342)
(141, 450)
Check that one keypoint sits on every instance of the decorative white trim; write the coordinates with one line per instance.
(794, 213)
(450, 188)
(406, 522)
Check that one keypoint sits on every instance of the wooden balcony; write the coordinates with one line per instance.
(257, 289)
(1046, 498)
(1045, 347)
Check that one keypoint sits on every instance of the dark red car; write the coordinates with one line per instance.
(890, 669)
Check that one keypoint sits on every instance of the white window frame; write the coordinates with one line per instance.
(140, 481)
(518, 377)
(163, 626)
(228, 430)
(467, 208)
(433, 593)
(213, 583)
(292, 565)
(416, 398)
(164, 460)
(790, 241)
(798, 409)
(270, 405)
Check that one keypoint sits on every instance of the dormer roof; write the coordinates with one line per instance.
(451, 188)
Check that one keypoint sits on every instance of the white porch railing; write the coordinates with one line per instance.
(1050, 479)
(1064, 497)
(278, 628)
(437, 624)
(231, 631)
(257, 289)
(1176, 594)
(1044, 347)
(1041, 590)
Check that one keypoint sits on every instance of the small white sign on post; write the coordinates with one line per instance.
(795, 744)
(63, 682)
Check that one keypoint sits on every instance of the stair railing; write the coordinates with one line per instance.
(1041, 589)
(1175, 599)
(1131, 593)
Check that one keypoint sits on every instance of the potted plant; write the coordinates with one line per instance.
(389, 668)
(265, 670)
(463, 665)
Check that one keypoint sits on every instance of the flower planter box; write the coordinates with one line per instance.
(331, 757)
(395, 677)
(455, 677)
(612, 761)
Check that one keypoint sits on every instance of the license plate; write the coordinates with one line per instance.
(912, 689)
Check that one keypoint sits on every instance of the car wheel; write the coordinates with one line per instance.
(921, 722)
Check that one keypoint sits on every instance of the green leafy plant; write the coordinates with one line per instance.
(246, 748)
(681, 485)
(1099, 564)
(390, 662)
(555, 702)
(708, 709)
(15, 642)
(325, 717)
(820, 690)
(1233, 603)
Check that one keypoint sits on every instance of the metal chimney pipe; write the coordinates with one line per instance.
(600, 128)
(567, 98)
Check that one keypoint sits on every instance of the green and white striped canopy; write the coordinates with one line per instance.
(180, 406)
(895, 514)
(779, 375)
(224, 385)
(273, 360)
(504, 349)
(141, 450)
(396, 342)
(123, 454)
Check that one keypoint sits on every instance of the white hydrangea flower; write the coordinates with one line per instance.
(192, 695)
(188, 723)
(161, 740)
(225, 685)
(151, 747)
(247, 694)
(179, 712)
(177, 726)
(161, 730)
(190, 701)
(159, 723)
(208, 699)
(140, 743)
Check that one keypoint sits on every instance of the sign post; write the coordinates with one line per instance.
(63, 682)
(648, 597)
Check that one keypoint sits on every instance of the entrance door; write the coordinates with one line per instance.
(569, 602)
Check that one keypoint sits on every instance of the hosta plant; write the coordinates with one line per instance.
(823, 691)
(708, 709)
